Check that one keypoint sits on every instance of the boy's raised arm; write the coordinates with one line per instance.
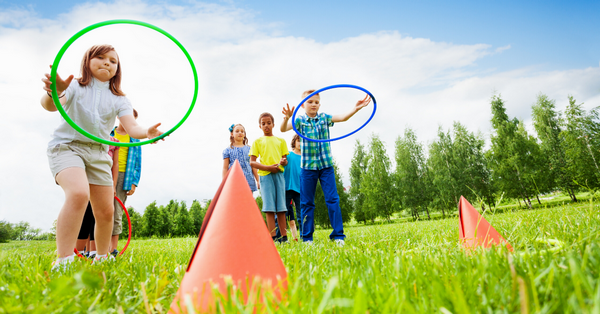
(359, 105)
(287, 114)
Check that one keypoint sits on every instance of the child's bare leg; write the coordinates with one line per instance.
(282, 224)
(114, 241)
(271, 223)
(81, 244)
(293, 228)
(102, 205)
(92, 245)
(74, 183)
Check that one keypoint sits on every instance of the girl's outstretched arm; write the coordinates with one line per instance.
(61, 86)
(136, 131)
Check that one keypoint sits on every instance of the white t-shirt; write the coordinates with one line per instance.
(94, 108)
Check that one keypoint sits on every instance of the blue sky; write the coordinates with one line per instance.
(549, 35)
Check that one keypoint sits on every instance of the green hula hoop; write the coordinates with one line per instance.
(110, 22)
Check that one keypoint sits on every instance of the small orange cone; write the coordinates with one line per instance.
(474, 230)
(234, 243)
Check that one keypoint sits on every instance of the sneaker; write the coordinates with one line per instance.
(339, 242)
(91, 254)
(308, 242)
(114, 253)
(61, 263)
(99, 259)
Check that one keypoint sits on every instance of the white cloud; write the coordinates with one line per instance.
(243, 70)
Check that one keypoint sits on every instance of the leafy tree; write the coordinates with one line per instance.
(358, 167)
(197, 213)
(183, 224)
(514, 155)
(582, 142)
(411, 176)
(166, 222)
(442, 169)
(5, 231)
(136, 223)
(152, 220)
(547, 124)
(377, 183)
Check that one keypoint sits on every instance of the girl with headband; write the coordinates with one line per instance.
(79, 165)
(239, 150)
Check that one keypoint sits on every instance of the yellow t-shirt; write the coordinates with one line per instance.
(122, 150)
(269, 149)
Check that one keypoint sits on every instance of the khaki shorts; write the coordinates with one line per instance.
(92, 157)
(122, 195)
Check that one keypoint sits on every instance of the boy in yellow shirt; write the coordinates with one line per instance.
(272, 151)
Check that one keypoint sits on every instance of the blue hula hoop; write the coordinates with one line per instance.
(327, 88)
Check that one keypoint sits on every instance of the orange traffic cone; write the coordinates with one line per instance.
(233, 244)
(474, 230)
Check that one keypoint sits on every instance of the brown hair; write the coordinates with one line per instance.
(135, 114)
(86, 74)
(308, 92)
(296, 137)
(231, 136)
(266, 114)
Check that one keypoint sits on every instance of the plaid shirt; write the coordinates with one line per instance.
(315, 155)
(133, 169)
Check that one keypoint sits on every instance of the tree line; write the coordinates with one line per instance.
(562, 156)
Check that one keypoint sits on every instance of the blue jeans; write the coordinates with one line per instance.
(308, 185)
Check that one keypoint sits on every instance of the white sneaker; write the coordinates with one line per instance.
(61, 263)
(308, 242)
(339, 242)
(99, 259)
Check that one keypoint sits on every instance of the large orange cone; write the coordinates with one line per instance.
(474, 230)
(233, 243)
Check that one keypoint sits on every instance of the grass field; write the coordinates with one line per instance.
(389, 268)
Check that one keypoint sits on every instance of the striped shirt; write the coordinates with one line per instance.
(315, 155)
(241, 154)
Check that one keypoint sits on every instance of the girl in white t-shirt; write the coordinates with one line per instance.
(80, 165)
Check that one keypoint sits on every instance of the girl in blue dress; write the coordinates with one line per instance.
(239, 150)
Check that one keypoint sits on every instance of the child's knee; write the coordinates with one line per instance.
(104, 213)
(78, 196)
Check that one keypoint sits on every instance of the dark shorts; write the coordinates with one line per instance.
(88, 224)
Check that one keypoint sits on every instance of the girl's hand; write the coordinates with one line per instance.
(61, 85)
(287, 112)
(283, 161)
(362, 103)
(258, 185)
(153, 132)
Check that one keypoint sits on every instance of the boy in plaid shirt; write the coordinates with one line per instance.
(317, 163)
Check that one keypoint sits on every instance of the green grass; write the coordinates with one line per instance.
(390, 268)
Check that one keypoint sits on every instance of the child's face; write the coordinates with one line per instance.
(266, 124)
(239, 133)
(312, 105)
(104, 66)
(297, 144)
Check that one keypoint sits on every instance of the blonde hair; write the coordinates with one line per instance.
(308, 92)
(86, 73)
(231, 139)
